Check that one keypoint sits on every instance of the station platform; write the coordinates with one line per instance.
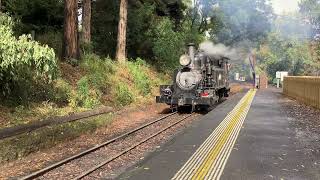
(245, 137)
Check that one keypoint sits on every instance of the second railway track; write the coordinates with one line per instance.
(89, 161)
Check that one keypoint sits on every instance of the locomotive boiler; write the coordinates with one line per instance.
(200, 82)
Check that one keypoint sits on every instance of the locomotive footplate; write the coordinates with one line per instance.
(163, 99)
(186, 101)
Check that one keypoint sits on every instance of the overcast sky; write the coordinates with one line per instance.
(281, 6)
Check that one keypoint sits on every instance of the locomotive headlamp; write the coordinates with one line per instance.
(185, 60)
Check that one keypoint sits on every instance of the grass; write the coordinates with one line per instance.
(123, 95)
(22, 145)
(141, 80)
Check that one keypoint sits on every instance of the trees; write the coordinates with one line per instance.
(245, 20)
(311, 11)
(122, 31)
(86, 21)
(284, 54)
(40, 16)
(200, 14)
(70, 49)
(104, 27)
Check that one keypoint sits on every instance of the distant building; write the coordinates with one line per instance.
(236, 76)
(263, 81)
(281, 74)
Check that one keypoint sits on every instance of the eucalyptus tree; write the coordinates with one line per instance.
(122, 31)
(86, 21)
(70, 47)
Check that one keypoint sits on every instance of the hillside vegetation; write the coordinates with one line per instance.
(36, 85)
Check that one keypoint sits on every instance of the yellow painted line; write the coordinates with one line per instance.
(204, 168)
(209, 160)
(198, 157)
(217, 167)
(204, 148)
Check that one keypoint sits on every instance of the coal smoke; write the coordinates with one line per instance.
(220, 50)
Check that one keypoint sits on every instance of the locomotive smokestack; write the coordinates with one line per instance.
(191, 51)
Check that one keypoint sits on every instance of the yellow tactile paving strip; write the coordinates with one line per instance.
(210, 158)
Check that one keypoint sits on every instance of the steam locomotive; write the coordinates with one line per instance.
(200, 82)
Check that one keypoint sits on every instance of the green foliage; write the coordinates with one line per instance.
(280, 54)
(105, 27)
(61, 92)
(98, 70)
(143, 33)
(53, 39)
(123, 95)
(37, 15)
(23, 62)
(140, 20)
(141, 80)
(47, 137)
(234, 21)
(168, 44)
(86, 48)
(310, 9)
(86, 96)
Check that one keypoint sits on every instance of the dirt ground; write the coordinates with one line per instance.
(124, 120)
(239, 87)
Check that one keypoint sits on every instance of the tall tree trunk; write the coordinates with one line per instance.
(122, 30)
(86, 21)
(70, 47)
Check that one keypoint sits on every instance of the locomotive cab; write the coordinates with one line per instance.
(200, 82)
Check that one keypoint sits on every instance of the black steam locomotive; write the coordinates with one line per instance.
(201, 81)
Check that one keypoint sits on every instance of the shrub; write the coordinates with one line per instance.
(123, 95)
(23, 62)
(61, 92)
(140, 78)
(86, 48)
(53, 39)
(98, 70)
(86, 97)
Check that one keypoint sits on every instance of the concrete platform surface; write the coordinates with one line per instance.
(245, 137)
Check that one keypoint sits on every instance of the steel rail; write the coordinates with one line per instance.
(83, 153)
(86, 173)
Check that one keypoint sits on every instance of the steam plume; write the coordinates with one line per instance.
(219, 50)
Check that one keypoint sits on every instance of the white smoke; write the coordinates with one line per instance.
(219, 50)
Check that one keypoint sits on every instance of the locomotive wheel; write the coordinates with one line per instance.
(226, 94)
(185, 109)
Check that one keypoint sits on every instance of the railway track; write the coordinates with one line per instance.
(90, 152)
